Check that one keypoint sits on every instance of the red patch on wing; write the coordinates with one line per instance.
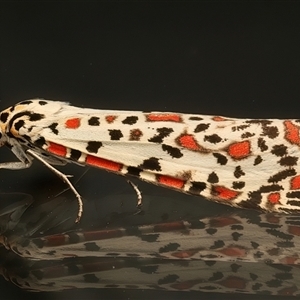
(110, 119)
(291, 133)
(234, 251)
(185, 253)
(103, 163)
(223, 193)
(165, 227)
(170, 181)
(135, 134)
(288, 291)
(294, 230)
(274, 198)
(57, 149)
(223, 221)
(102, 234)
(55, 240)
(72, 123)
(164, 118)
(189, 142)
(219, 119)
(234, 282)
(295, 183)
(239, 150)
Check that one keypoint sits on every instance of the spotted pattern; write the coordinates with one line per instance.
(237, 253)
(241, 162)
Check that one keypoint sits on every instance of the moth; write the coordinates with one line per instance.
(246, 163)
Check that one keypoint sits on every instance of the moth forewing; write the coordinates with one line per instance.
(240, 162)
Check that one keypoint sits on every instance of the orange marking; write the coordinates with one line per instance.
(234, 282)
(295, 183)
(188, 141)
(233, 251)
(272, 219)
(135, 135)
(274, 198)
(164, 118)
(103, 163)
(288, 291)
(72, 123)
(110, 119)
(291, 133)
(239, 150)
(57, 149)
(223, 193)
(185, 253)
(294, 230)
(102, 234)
(219, 119)
(289, 260)
(55, 240)
(165, 227)
(171, 181)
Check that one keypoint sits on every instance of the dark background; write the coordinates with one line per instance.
(227, 58)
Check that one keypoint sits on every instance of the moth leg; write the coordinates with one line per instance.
(65, 179)
(138, 193)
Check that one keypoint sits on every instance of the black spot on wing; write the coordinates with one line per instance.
(195, 118)
(94, 121)
(238, 172)
(261, 143)
(26, 102)
(19, 124)
(93, 146)
(247, 135)
(115, 134)
(197, 187)
(134, 171)
(151, 164)
(238, 185)
(240, 127)
(270, 131)
(75, 154)
(174, 152)
(162, 133)
(36, 117)
(130, 120)
(201, 127)
(53, 128)
(221, 159)
(43, 102)
(270, 188)
(257, 121)
(257, 160)
(279, 150)
(4, 117)
(213, 178)
(40, 142)
(214, 138)
(282, 175)
(288, 161)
